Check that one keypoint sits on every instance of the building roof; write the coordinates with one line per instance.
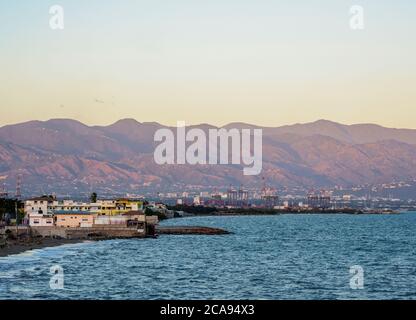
(71, 212)
(42, 198)
(122, 199)
(134, 213)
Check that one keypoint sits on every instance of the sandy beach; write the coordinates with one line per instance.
(20, 247)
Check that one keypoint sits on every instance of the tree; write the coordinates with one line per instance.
(93, 197)
(8, 207)
(150, 212)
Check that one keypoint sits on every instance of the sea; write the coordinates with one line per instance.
(293, 256)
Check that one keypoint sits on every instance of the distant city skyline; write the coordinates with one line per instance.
(267, 63)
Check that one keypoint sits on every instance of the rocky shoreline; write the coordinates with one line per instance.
(17, 246)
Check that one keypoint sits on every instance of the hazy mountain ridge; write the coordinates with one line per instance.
(312, 154)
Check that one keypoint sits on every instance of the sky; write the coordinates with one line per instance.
(263, 62)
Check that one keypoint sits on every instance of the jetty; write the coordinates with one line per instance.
(189, 230)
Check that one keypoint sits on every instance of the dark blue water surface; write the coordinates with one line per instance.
(267, 257)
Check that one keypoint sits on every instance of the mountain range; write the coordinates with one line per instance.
(67, 155)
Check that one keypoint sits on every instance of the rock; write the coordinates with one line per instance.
(184, 230)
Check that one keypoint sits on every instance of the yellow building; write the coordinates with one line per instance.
(119, 206)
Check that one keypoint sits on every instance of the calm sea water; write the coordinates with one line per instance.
(269, 257)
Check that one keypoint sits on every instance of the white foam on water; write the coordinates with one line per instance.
(41, 251)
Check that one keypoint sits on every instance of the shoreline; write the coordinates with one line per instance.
(252, 214)
(15, 248)
(254, 211)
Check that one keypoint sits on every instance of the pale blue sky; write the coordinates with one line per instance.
(264, 62)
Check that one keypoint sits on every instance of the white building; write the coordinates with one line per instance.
(38, 205)
(41, 221)
(197, 200)
(37, 213)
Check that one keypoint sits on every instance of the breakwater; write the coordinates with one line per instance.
(191, 230)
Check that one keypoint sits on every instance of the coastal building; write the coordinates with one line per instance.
(50, 205)
(197, 200)
(43, 220)
(70, 205)
(47, 211)
(38, 205)
(111, 220)
(128, 219)
(133, 219)
(74, 219)
(118, 206)
(37, 213)
(160, 208)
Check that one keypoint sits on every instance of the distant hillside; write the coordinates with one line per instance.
(68, 154)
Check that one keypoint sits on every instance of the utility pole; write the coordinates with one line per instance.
(3, 193)
(19, 186)
(17, 220)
